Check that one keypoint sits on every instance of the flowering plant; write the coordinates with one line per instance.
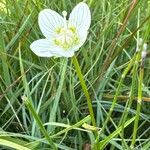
(62, 37)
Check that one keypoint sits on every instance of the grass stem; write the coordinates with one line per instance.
(85, 89)
(117, 92)
(139, 101)
(39, 122)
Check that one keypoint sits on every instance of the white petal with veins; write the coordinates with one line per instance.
(48, 21)
(45, 48)
(80, 17)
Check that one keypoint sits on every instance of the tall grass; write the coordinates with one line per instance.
(54, 113)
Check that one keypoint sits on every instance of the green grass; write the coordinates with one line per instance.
(58, 114)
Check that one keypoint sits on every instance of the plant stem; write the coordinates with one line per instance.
(39, 122)
(127, 107)
(54, 109)
(71, 127)
(131, 97)
(117, 92)
(141, 74)
(84, 88)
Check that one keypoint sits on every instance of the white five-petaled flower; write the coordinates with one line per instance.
(62, 37)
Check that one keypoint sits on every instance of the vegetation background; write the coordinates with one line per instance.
(52, 86)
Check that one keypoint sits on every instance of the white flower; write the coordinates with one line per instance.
(62, 37)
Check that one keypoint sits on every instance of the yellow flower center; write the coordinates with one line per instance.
(66, 37)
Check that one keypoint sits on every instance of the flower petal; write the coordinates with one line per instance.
(49, 21)
(46, 48)
(80, 17)
(41, 48)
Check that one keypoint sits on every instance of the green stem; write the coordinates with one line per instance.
(107, 139)
(85, 89)
(68, 128)
(91, 1)
(39, 122)
(117, 92)
(138, 106)
(128, 105)
(58, 94)
(127, 108)
(81, 122)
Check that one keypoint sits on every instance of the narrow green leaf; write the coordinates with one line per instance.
(103, 143)
(12, 145)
